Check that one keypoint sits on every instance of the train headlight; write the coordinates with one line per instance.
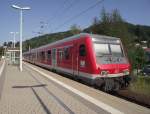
(104, 73)
(126, 72)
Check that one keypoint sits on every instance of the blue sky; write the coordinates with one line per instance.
(52, 13)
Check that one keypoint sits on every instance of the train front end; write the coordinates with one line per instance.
(113, 67)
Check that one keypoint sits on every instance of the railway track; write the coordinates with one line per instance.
(134, 97)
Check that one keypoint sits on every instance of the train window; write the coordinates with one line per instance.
(116, 50)
(43, 55)
(38, 55)
(61, 54)
(82, 50)
(101, 49)
(66, 53)
(48, 54)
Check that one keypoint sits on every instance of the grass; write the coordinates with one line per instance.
(141, 85)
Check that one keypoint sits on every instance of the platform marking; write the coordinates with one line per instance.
(81, 94)
(2, 68)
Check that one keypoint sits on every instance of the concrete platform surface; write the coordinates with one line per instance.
(30, 92)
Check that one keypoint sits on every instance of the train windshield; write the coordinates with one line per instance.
(108, 49)
(116, 50)
(101, 49)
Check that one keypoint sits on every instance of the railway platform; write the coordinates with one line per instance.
(39, 91)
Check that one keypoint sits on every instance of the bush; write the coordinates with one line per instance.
(141, 85)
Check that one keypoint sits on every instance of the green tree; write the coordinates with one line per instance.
(17, 44)
(10, 44)
(95, 25)
(113, 25)
(74, 29)
(5, 44)
(137, 57)
(1, 51)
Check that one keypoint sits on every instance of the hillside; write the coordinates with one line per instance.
(139, 32)
(45, 39)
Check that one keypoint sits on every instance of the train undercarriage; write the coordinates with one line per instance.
(112, 84)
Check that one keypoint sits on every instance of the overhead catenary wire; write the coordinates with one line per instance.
(61, 11)
(79, 14)
(64, 10)
(69, 7)
(42, 23)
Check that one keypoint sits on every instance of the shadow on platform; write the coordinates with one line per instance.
(36, 95)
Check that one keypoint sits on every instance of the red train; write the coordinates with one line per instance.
(97, 59)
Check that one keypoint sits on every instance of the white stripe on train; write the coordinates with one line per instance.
(83, 74)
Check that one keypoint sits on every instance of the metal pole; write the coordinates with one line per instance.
(14, 45)
(14, 38)
(21, 27)
(21, 39)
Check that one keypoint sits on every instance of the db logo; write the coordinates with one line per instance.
(82, 63)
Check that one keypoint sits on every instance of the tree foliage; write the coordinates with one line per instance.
(74, 29)
(45, 39)
(1, 51)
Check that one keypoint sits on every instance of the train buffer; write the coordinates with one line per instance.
(39, 91)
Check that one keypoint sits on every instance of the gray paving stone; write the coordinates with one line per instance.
(29, 93)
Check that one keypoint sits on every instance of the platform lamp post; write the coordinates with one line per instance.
(14, 38)
(21, 21)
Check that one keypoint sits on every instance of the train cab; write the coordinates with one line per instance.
(113, 67)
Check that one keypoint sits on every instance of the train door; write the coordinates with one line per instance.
(75, 59)
(71, 58)
(82, 62)
(54, 58)
(49, 57)
(79, 58)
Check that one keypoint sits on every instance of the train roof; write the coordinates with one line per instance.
(74, 37)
